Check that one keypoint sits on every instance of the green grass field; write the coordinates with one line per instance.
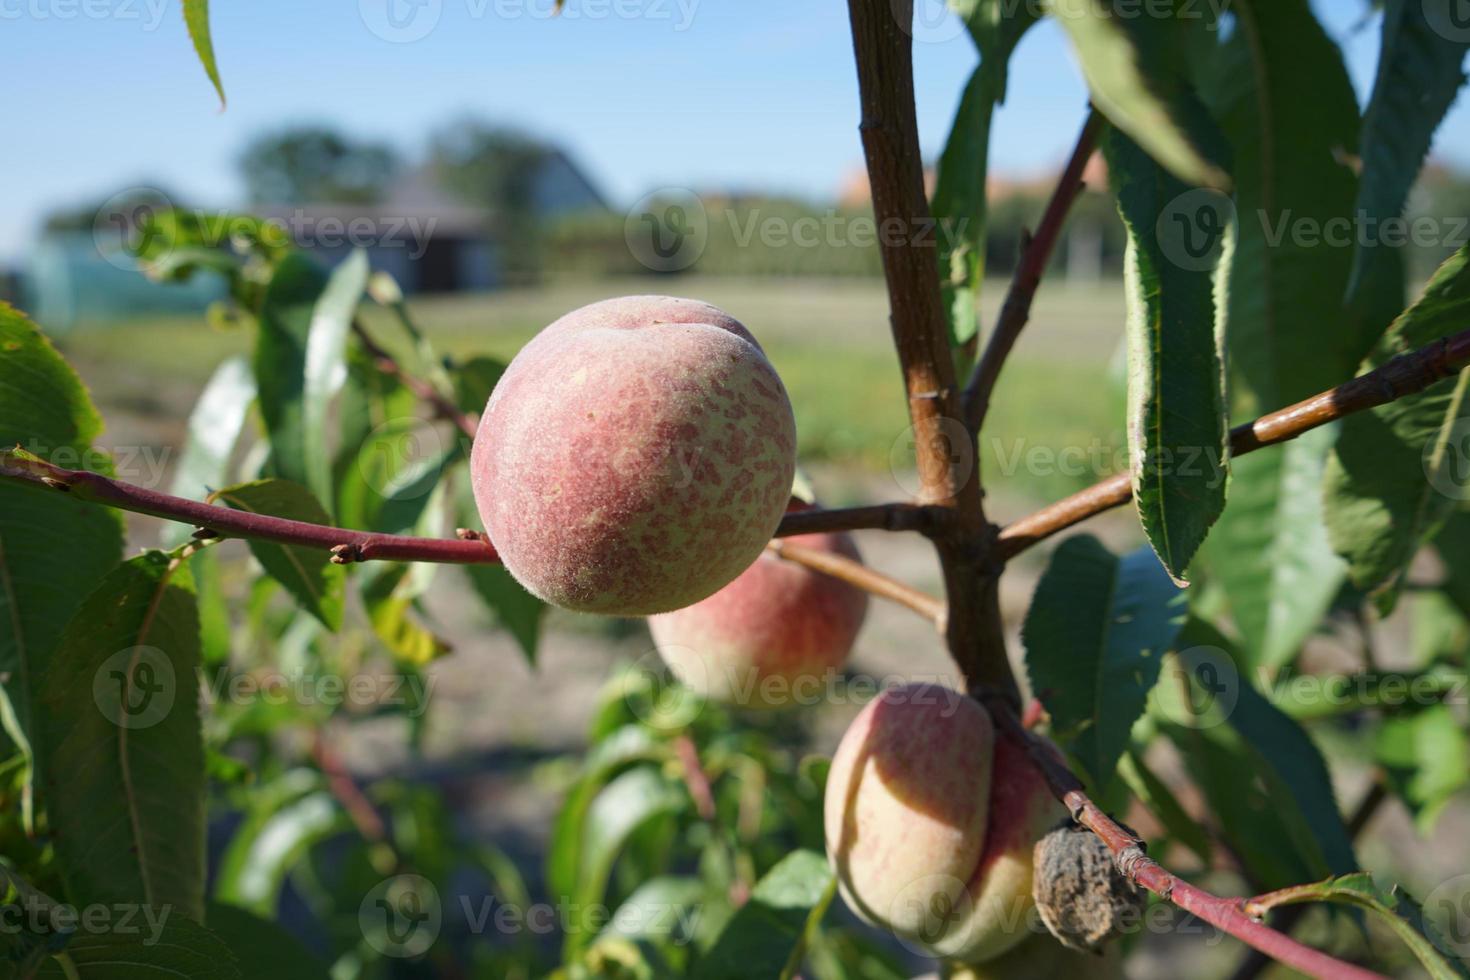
(828, 339)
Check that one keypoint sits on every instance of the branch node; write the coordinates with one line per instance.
(1128, 860)
(56, 484)
(204, 534)
(346, 554)
(468, 534)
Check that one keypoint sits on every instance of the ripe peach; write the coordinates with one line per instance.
(931, 820)
(767, 638)
(635, 457)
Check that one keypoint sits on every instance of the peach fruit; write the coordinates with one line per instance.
(931, 821)
(635, 457)
(767, 638)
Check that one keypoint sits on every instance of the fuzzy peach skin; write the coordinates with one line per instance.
(635, 457)
(768, 638)
(930, 822)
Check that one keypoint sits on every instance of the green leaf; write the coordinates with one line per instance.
(196, 18)
(663, 908)
(262, 947)
(959, 204)
(214, 428)
(1419, 73)
(1139, 78)
(1095, 635)
(1397, 471)
(769, 934)
(627, 803)
(122, 761)
(512, 606)
(53, 551)
(1265, 780)
(325, 367)
(307, 573)
(474, 381)
(1178, 431)
(1271, 553)
(1155, 795)
(286, 314)
(1403, 915)
(270, 843)
(1427, 757)
(1285, 314)
(1453, 544)
(159, 944)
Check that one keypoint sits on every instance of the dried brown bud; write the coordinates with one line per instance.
(1081, 896)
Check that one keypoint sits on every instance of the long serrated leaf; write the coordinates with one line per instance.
(307, 573)
(1095, 635)
(53, 551)
(959, 202)
(122, 758)
(325, 366)
(513, 607)
(264, 948)
(283, 332)
(1139, 79)
(1420, 70)
(1178, 429)
(1402, 914)
(767, 936)
(1270, 551)
(196, 18)
(1397, 472)
(1285, 316)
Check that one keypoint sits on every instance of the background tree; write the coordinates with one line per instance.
(316, 165)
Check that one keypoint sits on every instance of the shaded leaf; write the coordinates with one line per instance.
(269, 844)
(1155, 795)
(122, 760)
(1095, 635)
(1139, 79)
(53, 551)
(1285, 312)
(178, 948)
(196, 18)
(1178, 431)
(512, 606)
(307, 573)
(1271, 552)
(768, 935)
(285, 319)
(1398, 471)
(263, 948)
(214, 428)
(325, 368)
(1427, 757)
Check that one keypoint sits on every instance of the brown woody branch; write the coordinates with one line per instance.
(868, 579)
(1406, 374)
(944, 448)
(1226, 914)
(1016, 310)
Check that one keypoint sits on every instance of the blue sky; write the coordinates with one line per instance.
(738, 94)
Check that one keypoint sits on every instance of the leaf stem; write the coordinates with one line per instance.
(868, 579)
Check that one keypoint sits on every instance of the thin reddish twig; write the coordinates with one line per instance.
(694, 776)
(443, 407)
(1016, 310)
(868, 579)
(1226, 914)
(1404, 375)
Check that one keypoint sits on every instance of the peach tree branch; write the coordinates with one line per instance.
(1016, 310)
(1404, 375)
(944, 448)
(868, 579)
(386, 363)
(1227, 914)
